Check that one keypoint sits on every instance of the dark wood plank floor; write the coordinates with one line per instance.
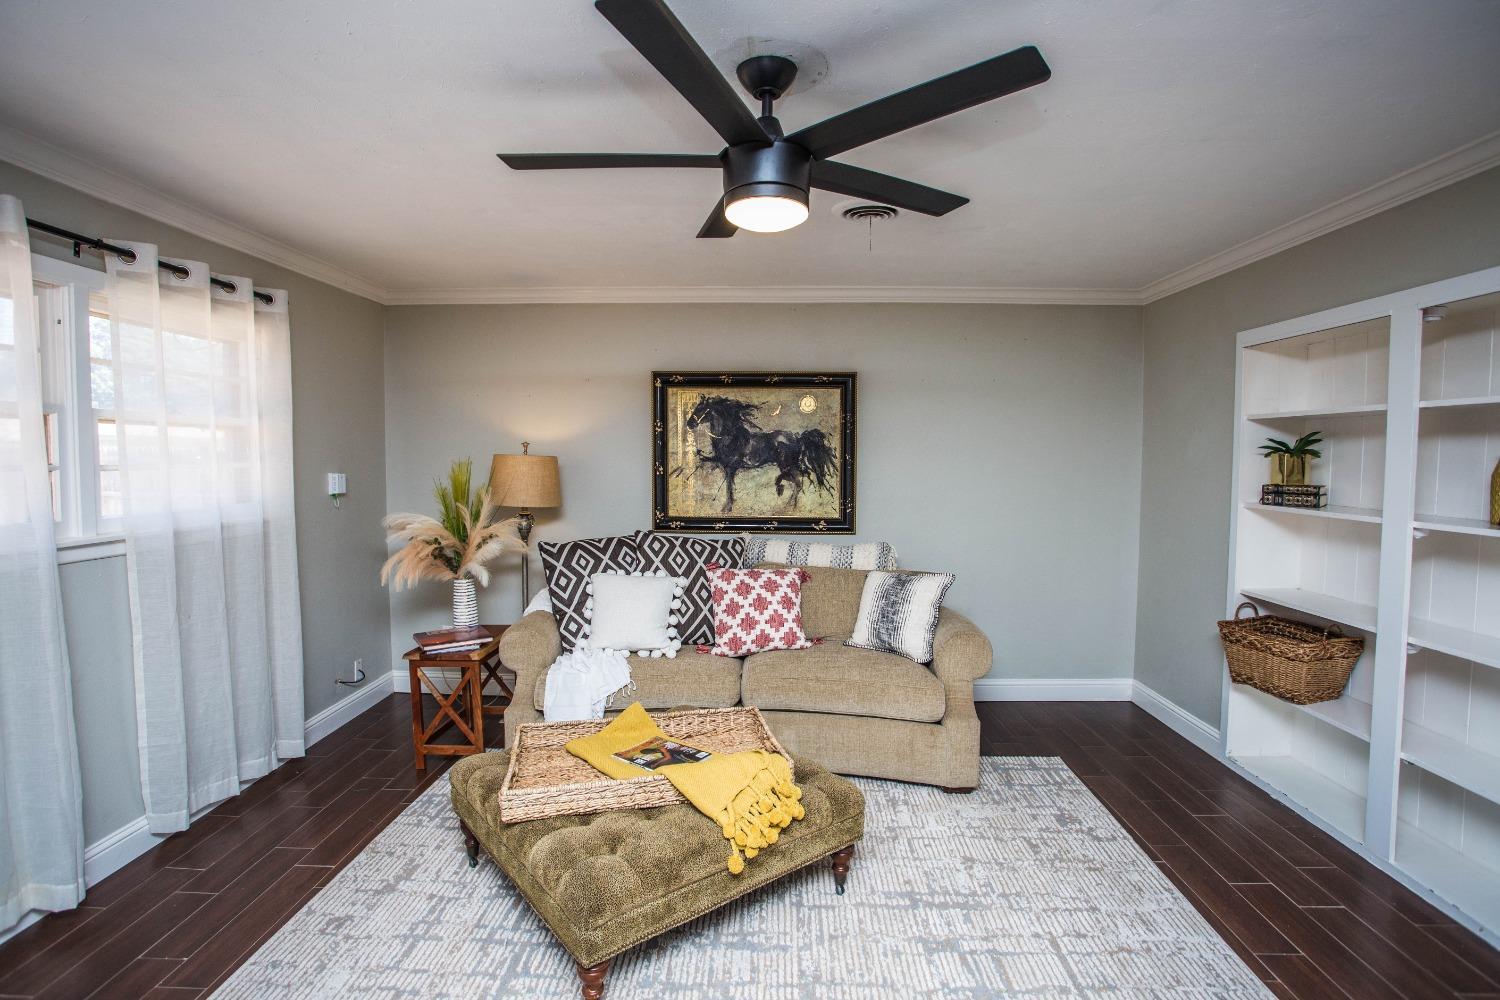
(1306, 914)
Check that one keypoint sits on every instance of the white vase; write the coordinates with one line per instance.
(465, 603)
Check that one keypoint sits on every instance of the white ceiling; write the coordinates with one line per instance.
(364, 133)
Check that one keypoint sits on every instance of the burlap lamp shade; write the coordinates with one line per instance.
(525, 481)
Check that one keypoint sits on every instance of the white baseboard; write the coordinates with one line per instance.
(347, 707)
(1052, 689)
(114, 851)
(1178, 719)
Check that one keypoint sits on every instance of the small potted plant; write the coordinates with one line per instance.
(458, 545)
(1289, 461)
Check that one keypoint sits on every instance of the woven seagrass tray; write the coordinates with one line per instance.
(545, 780)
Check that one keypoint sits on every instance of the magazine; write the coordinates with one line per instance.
(659, 751)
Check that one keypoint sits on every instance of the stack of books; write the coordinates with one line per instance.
(1313, 496)
(452, 640)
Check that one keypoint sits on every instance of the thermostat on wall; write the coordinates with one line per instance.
(338, 485)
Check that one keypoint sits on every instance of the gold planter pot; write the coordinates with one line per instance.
(1495, 495)
(1288, 470)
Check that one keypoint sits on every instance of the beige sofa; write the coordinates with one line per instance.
(855, 711)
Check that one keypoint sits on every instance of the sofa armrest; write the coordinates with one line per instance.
(527, 648)
(960, 651)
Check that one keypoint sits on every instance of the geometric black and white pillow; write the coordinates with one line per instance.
(898, 613)
(568, 566)
(689, 556)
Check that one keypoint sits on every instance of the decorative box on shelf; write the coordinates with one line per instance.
(1313, 496)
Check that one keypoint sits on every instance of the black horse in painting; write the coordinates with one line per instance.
(739, 444)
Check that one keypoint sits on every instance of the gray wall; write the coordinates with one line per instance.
(337, 375)
(1001, 443)
(1189, 404)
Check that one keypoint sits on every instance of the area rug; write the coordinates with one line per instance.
(1026, 888)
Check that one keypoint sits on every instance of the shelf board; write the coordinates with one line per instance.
(1465, 766)
(1312, 791)
(1462, 643)
(1457, 525)
(1322, 411)
(1310, 602)
(1349, 714)
(1367, 515)
(1461, 880)
(1430, 404)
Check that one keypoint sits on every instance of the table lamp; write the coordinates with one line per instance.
(525, 481)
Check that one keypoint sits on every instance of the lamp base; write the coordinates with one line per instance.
(524, 522)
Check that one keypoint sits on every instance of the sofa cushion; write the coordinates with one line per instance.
(830, 600)
(842, 680)
(691, 679)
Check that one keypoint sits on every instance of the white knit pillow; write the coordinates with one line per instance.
(898, 613)
(636, 612)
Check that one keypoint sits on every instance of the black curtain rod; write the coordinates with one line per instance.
(128, 255)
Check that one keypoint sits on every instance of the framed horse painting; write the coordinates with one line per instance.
(753, 451)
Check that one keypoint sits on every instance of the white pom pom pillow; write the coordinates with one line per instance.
(634, 612)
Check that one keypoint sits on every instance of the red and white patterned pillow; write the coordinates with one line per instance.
(756, 610)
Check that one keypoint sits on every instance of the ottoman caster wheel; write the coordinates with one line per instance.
(841, 861)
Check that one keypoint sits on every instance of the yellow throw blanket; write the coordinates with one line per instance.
(749, 795)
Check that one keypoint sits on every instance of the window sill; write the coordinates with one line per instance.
(76, 550)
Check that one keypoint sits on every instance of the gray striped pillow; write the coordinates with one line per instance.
(898, 613)
(791, 552)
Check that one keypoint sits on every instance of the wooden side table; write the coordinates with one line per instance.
(476, 669)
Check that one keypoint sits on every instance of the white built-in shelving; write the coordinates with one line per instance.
(1354, 409)
(1405, 765)
(1369, 515)
(1462, 401)
(1458, 525)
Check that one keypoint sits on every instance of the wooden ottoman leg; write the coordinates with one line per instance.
(593, 980)
(471, 844)
(841, 861)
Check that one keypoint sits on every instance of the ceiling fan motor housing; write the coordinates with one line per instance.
(778, 169)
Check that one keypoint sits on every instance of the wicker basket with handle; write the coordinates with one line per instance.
(1295, 661)
(545, 780)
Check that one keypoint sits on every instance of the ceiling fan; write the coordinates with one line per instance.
(767, 174)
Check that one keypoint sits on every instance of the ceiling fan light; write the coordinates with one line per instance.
(768, 213)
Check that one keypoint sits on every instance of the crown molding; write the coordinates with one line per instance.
(39, 157)
(1450, 168)
(783, 294)
(30, 153)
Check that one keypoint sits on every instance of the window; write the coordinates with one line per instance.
(77, 363)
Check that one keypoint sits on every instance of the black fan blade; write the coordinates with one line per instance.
(586, 161)
(981, 82)
(717, 226)
(666, 44)
(858, 182)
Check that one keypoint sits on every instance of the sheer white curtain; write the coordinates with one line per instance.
(202, 383)
(41, 801)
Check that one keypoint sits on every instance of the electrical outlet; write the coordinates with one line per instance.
(359, 675)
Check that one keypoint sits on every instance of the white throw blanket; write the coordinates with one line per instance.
(580, 683)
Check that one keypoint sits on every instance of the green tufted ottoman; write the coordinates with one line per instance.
(607, 882)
